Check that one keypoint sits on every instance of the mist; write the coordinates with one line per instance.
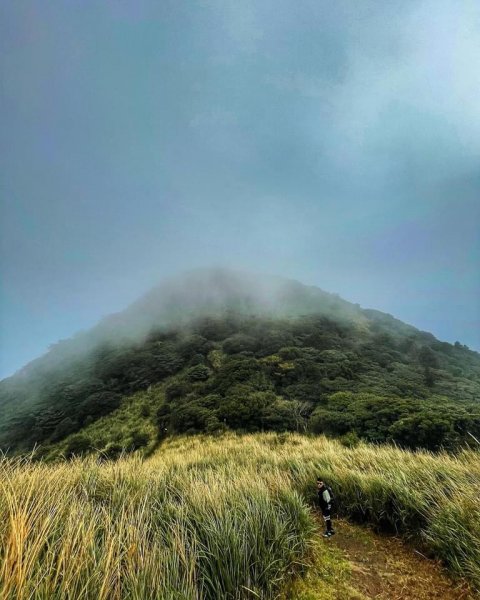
(335, 144)
(181, 304)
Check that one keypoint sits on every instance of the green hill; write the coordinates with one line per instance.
(217, 349)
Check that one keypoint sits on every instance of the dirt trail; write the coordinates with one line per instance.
(384, 568)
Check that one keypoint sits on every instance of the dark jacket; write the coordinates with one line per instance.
(324, 498)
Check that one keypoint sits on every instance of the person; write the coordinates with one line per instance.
(325, 502)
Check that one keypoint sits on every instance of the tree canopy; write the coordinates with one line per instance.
(371, 377)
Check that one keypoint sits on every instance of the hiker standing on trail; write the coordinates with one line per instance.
(325, 497)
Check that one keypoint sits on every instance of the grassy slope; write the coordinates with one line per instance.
(217, 517)
(136, 414)
(431, 499)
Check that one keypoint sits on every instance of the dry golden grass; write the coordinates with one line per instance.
(226, 517)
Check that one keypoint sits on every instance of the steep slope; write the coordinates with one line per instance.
(281, 350)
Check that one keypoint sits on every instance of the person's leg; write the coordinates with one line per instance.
(331, 530)
(328, 521)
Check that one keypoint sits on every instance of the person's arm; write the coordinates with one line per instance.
(326, 496)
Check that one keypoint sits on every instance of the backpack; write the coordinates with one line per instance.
(332, 497)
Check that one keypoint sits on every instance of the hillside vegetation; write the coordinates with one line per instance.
(229, 517)
(231, 351)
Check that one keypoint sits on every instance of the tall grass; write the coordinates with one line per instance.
(163, 529)
(208, 518)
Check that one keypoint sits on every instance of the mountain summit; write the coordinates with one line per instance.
(216, 292)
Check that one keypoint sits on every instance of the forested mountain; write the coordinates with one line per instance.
(227, 349)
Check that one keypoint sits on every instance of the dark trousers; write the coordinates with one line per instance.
(326, 512)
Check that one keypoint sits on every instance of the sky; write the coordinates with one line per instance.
(336, 143)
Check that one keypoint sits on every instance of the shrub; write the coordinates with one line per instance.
(198, 373)
(77, 445)
(138, 439)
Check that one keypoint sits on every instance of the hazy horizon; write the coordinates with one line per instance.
(338, 145)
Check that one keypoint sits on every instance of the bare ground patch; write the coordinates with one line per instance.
(358, 564)
(384, 567)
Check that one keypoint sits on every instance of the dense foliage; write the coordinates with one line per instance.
(306, 361)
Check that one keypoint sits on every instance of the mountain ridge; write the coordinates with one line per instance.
(212, 277)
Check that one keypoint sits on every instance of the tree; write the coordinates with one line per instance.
(429, 377)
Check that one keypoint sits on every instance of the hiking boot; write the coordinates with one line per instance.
(331, 532)
(326, 534)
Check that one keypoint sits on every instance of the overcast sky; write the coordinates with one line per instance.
(337, 143)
